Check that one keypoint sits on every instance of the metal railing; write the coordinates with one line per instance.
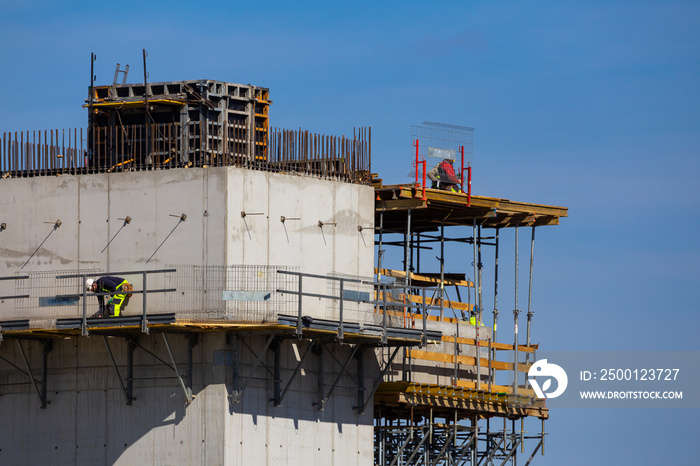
(144, 292)
(233, 293)
(17, 277)
(377, 299)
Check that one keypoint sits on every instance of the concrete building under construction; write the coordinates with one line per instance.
(266, 326)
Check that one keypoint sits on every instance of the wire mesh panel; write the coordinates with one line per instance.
(238, 293)
(357, 298)
(45, 302)
(439, 141)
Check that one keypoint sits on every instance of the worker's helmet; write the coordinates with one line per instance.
(88, 283)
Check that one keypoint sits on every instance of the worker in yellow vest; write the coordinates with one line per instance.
(114, 303)
(472, 319)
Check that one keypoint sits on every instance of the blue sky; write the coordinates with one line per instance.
(590, 105)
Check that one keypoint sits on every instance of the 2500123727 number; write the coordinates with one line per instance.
(639, 374)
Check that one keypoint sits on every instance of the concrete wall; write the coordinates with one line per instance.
(87, 420)
(214, 233)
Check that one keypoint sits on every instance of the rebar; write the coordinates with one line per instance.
(171, 145)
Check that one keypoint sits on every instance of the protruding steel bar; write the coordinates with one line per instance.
(56, 225)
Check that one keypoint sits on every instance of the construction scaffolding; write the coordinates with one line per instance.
(456, 402)
(405, 348)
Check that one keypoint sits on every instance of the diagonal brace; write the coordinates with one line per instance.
(260, 357)
(447, 443)
(326, 397)
(399, 453)
(186, 389)
(534, 452)
(378, 381)
(278, 401)
(416, 450)
(129, 399)
(494, 450)
(472, 440)
(41, 391)
(340, 364)
(236, 396)
(512, 451)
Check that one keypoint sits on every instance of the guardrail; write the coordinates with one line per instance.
(380, 289)
(144, 292)
(18, 277)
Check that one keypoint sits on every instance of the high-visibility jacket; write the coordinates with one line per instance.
(109, 284)
(443, 175)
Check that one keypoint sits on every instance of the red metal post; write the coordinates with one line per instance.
(469, 186)
(425, 169)
(416, 165)
(461, 173)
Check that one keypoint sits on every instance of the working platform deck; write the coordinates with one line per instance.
(372, 335)
(468, 402)
(431, 208)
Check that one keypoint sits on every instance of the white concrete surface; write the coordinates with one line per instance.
(213, 234)
(88, 422)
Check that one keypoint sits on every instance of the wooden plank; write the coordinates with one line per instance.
(422, 278)
(496, 388)
(494, 345)
(466, 360)
(400, 204)
(482, 407)
(441, 200)
(447, 304)
(537, 209)
(415, 316)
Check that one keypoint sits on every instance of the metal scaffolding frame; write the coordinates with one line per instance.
(451, 437)
(434, 428)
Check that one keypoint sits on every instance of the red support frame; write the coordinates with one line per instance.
(469, 177)
(425, 169)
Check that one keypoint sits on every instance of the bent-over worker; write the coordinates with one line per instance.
(114, 303)
(443, 176)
